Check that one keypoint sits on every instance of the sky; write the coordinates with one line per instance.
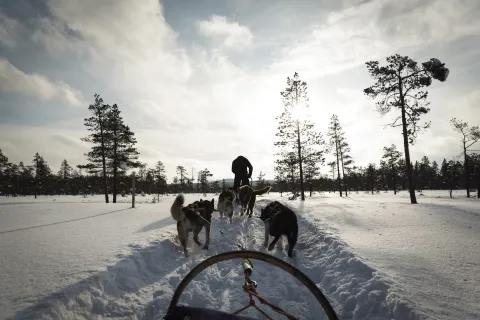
(199, 81)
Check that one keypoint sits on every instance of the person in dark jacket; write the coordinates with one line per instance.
(239, 169)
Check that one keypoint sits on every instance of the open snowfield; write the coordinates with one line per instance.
(373, 256)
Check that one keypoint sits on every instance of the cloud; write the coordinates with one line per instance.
(376, 29)
(14, 80)
(9, 31)
(233, 34)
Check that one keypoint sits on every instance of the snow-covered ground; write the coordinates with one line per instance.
(374, 256)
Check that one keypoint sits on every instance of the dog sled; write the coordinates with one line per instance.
(177, 312)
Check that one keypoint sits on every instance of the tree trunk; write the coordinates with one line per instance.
(338, 166)
(343, 173)
(394, 180)
(373, 183)
(465, 165)
(114, 188)
(115, 165)
(333, 178)
(478, 188)
(104, 162)
(411, 187)
(300, 161)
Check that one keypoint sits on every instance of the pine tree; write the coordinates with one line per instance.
(122, 154)
(435, 172)
(295, 131)
(398, 85)
(451, 173)
(160, 177)
(215, 185)
(470, 136)
(333, 166)
(345, 159)
(261, 180)
(42, 173)
(280, 178)
(150, 181)
(286, 168)
(312, 161)
(474, 162)
(142, 176)
(26, 178)
(4, 165)
(392, 157)
(100, 137)
(182, 177)
(371, 174)
(336, 136)
(65, 174)
(174, 185)
(204, 175)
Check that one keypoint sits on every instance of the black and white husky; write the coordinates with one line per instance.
(280, 220)
(193, 217)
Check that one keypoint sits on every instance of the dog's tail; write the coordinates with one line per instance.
(176, 209)
(261, 191)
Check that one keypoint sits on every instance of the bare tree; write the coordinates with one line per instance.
(470, 136)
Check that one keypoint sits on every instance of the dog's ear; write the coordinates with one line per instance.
(213, 201)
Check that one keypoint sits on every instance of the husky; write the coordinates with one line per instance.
(279, 220)
(192, 217)
(247, 196)
(226, 201)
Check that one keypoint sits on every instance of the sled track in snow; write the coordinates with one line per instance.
(141, 285)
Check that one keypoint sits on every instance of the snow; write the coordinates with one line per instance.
(373, 256)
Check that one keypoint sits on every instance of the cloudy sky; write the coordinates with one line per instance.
(199, 81)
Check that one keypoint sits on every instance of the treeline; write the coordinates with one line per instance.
(399, 86)
(37, 178)
(383, 176)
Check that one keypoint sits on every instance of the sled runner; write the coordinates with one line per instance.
(176, 312)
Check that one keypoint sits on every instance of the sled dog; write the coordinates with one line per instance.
(279, 220)
(248, 196)
(226, 201)
(192, 217)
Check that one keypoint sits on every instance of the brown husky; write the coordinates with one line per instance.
(192, 218)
